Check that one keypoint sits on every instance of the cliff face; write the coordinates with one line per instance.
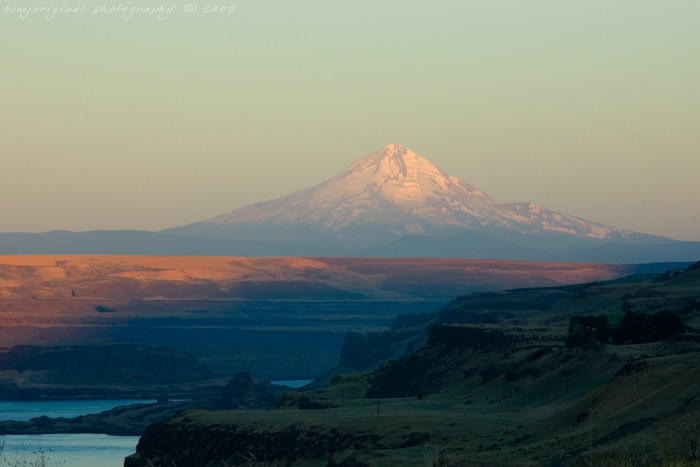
(365, 352)
(122, 363)
(243, 393)
(192, 439)
(356, 351)
(409, 332)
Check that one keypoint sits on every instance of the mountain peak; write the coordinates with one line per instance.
(391, 159)
(394, 149)
(399, 175)
(395, 192)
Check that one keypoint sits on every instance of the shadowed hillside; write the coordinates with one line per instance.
(101, 370)
(510, 389)
(279, 318)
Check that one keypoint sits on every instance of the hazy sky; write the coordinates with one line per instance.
(123, 120)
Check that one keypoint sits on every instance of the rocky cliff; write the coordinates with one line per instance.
(101, 371)
(243, 393)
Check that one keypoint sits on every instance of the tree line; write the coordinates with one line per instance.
(634, 328)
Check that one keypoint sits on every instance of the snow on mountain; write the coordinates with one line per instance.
(400, 193)
(392, 203)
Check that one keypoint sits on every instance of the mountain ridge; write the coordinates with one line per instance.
(401, 191)
(390, 203)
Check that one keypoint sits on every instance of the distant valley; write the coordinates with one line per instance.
(597, 359)
(280, 318)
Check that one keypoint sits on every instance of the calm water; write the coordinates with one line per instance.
(26, 410)
(293, 383)
(72, 450)
(68, 450)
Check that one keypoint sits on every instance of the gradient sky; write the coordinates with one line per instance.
(587, 107)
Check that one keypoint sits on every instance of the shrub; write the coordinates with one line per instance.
(666, 324)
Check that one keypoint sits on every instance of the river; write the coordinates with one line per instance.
(69, 450)
(74, 449)
(26, 410)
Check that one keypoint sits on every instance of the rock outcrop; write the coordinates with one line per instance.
(243, 393)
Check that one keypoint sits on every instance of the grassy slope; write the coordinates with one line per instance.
(532, 401)
(582, 416)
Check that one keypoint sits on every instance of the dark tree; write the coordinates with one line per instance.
(636, 327)
(641, 327)
(666, 324)
(601, 328)
(583, 329)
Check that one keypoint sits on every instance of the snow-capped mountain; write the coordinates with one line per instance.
(390, 194)
(389, 203)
